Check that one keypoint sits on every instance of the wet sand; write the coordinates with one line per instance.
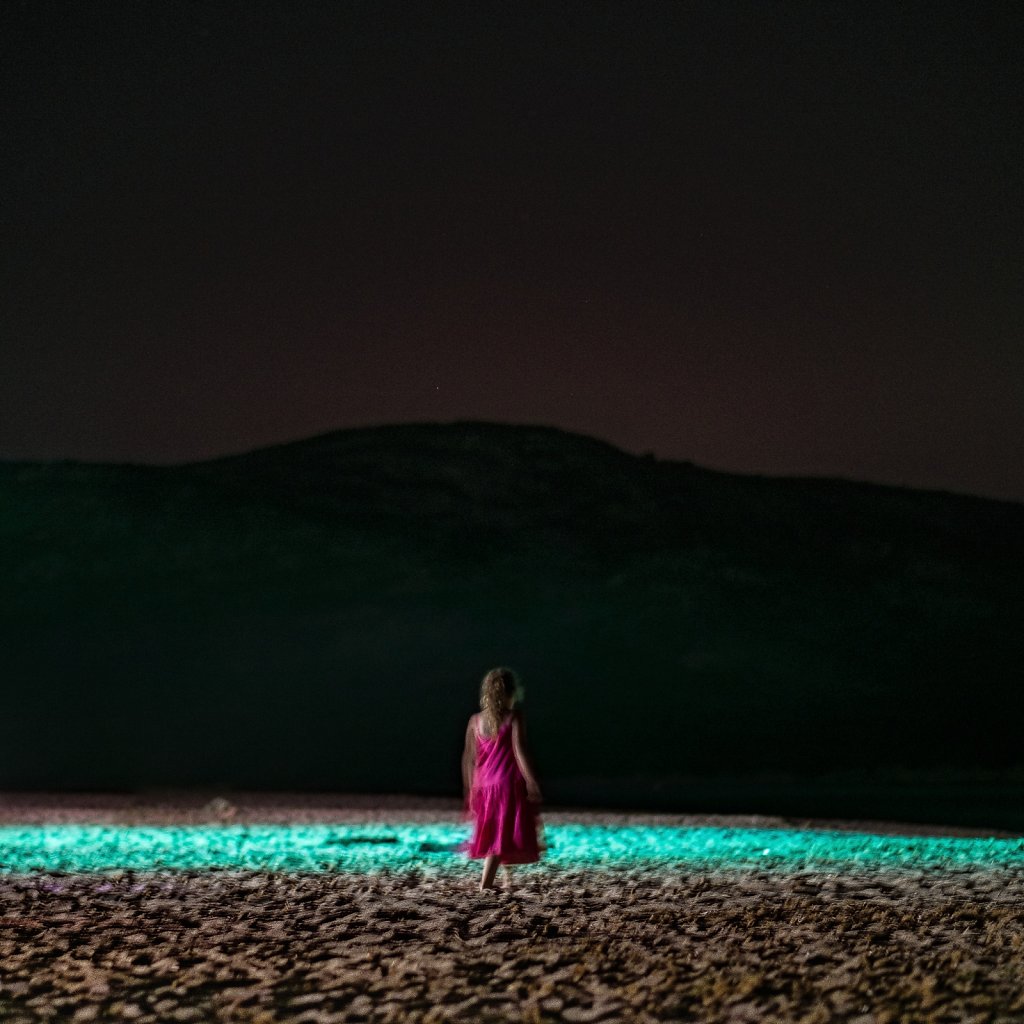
(642, 942)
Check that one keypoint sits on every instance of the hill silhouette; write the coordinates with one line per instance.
(318, 614)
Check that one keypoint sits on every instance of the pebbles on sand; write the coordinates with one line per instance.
(636, 943)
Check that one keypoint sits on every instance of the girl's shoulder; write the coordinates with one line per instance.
(476, 722)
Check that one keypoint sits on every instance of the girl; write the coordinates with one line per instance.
(500, 787)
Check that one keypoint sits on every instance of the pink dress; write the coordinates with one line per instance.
(504, 821)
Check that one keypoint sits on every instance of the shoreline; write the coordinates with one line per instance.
(222, 806)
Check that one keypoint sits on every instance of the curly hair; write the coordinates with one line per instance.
(497, 691)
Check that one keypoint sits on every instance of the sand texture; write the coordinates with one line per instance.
(646, 942)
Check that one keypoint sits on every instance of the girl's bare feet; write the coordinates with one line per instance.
(490, 869)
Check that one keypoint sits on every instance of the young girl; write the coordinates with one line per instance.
(501, 791)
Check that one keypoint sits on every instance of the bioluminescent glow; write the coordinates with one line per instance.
(433, 847)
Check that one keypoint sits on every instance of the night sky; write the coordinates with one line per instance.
(763, 237)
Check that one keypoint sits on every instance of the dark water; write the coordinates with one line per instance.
(998, 805)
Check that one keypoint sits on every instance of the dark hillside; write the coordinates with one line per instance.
(318, 615)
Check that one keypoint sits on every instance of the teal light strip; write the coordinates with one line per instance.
(376, 847)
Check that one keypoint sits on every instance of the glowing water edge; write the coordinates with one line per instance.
(433, 847)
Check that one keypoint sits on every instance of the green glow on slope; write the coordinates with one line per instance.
(376, 847)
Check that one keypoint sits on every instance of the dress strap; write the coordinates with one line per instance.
(480, 734)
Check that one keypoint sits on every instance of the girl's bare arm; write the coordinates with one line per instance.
(469, 755)
(519, 748)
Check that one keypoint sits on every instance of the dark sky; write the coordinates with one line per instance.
(779, 238)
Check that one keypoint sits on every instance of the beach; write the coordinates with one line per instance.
(649, 940)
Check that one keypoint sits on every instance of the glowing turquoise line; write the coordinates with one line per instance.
(376, 847)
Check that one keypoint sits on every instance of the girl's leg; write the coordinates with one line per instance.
(490, 867)
(506, 870)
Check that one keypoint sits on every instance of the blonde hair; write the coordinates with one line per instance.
(497, 691)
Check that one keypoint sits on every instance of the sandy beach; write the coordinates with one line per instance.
(644, 941)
